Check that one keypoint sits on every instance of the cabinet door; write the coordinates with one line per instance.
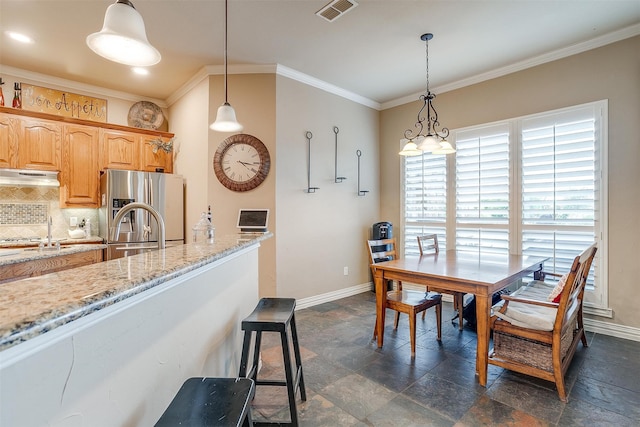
(119, 150)
(39, 144)
(80, 180)
(160, 160)
(8, 141)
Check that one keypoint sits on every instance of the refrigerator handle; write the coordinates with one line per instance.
(149, 190)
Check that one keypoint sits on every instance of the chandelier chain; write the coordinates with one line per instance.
(427, 54)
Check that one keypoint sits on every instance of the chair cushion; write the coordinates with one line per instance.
(555, 294)
(529, 315)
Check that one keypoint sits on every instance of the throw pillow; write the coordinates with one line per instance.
(556, 293)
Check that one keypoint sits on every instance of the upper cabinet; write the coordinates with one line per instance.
(155, 158)
(8, 141)
(127, 150)
(80, 177)
(39, 144)
(80, 150)
(119, 150)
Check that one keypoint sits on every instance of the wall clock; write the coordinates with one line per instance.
(241, 162)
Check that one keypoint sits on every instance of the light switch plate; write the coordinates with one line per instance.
(73, 221)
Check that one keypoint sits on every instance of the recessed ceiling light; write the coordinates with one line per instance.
(19, 37)
(141, 71)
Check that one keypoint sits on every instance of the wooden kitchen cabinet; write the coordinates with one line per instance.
(8, 141)
(119, 150)
(39, 144)
(38, 267)
(158, 161)
(80, 177)
(77, 148)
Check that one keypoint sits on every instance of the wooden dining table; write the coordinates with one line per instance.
(474, 273)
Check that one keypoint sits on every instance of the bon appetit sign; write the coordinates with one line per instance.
(62, 103)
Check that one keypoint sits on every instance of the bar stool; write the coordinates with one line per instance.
(274, 315)
(210, 402)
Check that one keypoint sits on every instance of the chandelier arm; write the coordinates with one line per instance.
(419, 124)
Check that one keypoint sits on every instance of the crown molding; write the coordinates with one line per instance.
(81, 88)
(64, 84)
(577, 48)
(212, 70)
(320, 84)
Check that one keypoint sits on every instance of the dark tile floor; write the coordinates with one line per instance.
(350, 382)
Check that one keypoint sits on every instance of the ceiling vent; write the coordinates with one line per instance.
(336, 9)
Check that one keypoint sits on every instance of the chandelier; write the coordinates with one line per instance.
(434, 140)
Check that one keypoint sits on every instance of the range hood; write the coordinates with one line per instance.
(29, 178)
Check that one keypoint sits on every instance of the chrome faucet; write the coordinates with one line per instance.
(49, 224)
(139, 205)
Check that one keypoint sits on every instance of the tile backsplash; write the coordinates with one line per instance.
(24, 212)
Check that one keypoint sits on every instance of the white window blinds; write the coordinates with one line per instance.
(559, 182)
(482, 189)
(425, 199)
(534, 185)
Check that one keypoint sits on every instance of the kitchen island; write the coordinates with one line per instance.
(111, 343)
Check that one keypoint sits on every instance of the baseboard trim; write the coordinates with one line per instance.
(611, 329)
(332, 296)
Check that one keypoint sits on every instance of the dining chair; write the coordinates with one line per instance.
(428, 244)
(404, 301)
(536, 329)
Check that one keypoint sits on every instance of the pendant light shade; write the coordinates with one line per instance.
(123, 38)
(445, 148)
(410, 149)
(226, 118)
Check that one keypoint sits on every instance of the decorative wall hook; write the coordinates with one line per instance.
(310, 189)
(338, 179)
(360, 192)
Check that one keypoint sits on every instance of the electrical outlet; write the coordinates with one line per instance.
(346, 271)
(73, 221)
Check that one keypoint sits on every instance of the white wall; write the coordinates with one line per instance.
(189, 116)
(122, 365)
(321, 233)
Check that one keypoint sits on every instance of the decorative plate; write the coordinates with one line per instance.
(145, 115)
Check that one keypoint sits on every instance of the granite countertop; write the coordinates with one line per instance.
(33, 242)
(23, 254)
(33, 306)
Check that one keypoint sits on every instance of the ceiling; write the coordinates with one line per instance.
(374, 50)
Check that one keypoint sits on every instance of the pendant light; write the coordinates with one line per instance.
(226, 118)
(433, 141)
(123, 38)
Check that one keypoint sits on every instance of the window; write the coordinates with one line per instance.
(532, 185)
(482, 189)
(425, 200)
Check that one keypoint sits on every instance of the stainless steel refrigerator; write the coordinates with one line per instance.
(139, 229)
